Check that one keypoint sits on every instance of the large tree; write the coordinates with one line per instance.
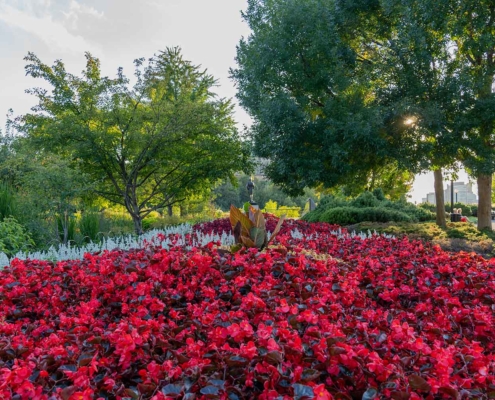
(419, 86)
(145, 147)
(309, 92)
(471, 26)
(331, 83)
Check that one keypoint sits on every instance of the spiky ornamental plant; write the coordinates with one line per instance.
(250, 231)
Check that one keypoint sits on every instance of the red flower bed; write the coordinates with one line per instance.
(335, 317)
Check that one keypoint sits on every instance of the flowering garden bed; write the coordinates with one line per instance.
(333, 316)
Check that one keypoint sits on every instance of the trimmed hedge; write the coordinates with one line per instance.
(353, 215)
(367, 206)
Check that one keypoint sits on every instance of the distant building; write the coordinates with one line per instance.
(463, 193)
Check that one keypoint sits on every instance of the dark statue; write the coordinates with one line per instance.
(250, 187)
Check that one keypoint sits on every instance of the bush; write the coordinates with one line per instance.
(428, 206)
(272, 207)
(13, 237)
(325, 203)
(365, 199)
(66, 228)
(378, 193)
(353, 215)
(415, 212)
(8, 201)
(89, 226)
(367, 207)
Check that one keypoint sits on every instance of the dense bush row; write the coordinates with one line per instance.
(467, 209)
(367, 207)
(326, 316)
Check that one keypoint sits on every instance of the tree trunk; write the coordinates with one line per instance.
(133, 210)
(484, 202)
(138, 224)
(440, 202)
(170, 211)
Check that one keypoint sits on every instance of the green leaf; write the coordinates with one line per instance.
(258, 236)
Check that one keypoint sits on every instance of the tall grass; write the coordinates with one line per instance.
(89, 226)
(8, 202)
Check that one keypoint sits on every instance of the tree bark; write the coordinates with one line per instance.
(484, 202)
(131, 204)
(169, 210)
(138, 224)
(440, 202)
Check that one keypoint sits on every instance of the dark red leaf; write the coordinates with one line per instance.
(418, 383)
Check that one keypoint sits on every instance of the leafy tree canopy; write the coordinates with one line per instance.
(308, 89)
(145, 146)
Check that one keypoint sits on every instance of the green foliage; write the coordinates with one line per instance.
(149, 222)
(265, 190)
(8, 201)
(89, 226)
(428, 206)
(415, 212)
(66, 228)
(270, 206)
(273, 208)
(352, 215)
(13, 237)
(325, 203)
(378, 194)
(467, 209)
(366, 207)
(365, 199)
(145, 147)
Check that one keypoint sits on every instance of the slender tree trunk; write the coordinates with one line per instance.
(484, 202)
(170, 211)
(138, 224)
(440, 202)
(132, 206)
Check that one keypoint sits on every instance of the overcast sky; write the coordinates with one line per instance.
(117, 32)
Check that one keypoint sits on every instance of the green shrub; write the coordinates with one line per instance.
(66, 225)
(365, 199)
(89, 226)
(13, 237)
(416, 213)
(428, 206)
(367, 206)
(289, 212)
(324, 204)
(116, 223)
(353, 215)
(273, 208)
(149, 222)
(378, 193)
(8, 202)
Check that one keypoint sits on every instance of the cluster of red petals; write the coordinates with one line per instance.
(333, 317)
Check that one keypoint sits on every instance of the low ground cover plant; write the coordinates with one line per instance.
(333, 315)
